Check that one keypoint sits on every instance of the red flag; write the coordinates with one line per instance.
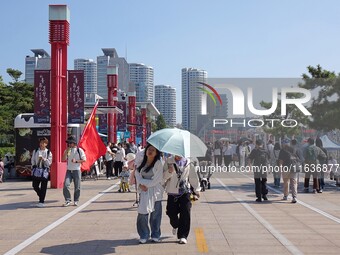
(91, 142)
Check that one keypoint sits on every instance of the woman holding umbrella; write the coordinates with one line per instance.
(179, 174)
(149, 176)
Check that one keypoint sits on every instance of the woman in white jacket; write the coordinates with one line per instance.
(149, 176)
(179, 175)
(42, 158)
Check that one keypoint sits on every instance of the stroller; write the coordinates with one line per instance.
(204, 173)
(205, 170)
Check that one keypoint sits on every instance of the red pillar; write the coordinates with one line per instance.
(112, 99)
(132, 116)
(59, 35)
(144, 126)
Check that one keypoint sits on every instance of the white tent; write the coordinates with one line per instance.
(328, 144)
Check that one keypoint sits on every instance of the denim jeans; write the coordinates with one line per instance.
(76, 177)
(155, 223)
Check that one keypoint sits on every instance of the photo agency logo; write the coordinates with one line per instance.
(211, 94)
(244, 103)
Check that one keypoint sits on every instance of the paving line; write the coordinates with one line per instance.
(55, 224)
(327, 215)
(200, 241)
(281, 238)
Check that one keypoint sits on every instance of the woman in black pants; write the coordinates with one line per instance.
(42, 158)
(119, 159)
(179, 174)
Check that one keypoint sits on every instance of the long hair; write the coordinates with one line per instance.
(145, 158)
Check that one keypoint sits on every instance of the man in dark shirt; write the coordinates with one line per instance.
(288, 162)
(258, 159)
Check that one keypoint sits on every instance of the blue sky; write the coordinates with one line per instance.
(240, 38)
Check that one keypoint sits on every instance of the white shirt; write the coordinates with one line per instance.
(120, 155)
(108, 155)
(75, 155)
(47, 159)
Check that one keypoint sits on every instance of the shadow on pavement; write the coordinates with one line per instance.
(24, 205)
(93, 247)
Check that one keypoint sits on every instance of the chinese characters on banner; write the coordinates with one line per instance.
(139, 128)
(102, 119)
(121, 118)
(148, 129)
(42, 88)
(75, 96)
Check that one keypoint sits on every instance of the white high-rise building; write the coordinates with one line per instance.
(90, 74)
(165, 102)
(111, 58)
(141, 76)
(194, 100)
(40, 61)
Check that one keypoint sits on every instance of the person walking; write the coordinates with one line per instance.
(42, 158)
(2, 170)
(227, 154)
(149, 176)
(179, 176)
(311, 153)
(288, 162)
(276, 173)
(74, 156)
(109, 161)
(257, 159)
(322, 161)
(119, 159)
(217, 153)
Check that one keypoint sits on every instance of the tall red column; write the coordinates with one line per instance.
(144, 126)
(112, 100)
(59, 34)
(132, 116)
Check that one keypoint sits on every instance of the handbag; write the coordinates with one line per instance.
(41, 174)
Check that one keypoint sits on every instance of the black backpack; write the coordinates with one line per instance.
(262, 157)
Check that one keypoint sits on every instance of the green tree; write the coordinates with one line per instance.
(15, 74)
(15, 98)
(160, 122)
(325, 107)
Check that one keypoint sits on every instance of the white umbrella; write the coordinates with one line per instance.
(226, 139)
(178, 142)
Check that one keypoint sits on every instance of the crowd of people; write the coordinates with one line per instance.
(284, 160)
(155, 173)
(152, 171)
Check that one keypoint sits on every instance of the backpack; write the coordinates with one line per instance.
(262, 157)
(295, 161)
(310, 155)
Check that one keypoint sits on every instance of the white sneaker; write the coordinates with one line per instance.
(67, 203)
(174, 231)
(285, 198)
(142, 241)
(155, 240)
(40, 205)
(183, 241)
(109, 178)
(76, 203)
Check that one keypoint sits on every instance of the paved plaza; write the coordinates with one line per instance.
(226, 220)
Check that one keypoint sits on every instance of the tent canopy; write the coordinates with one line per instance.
(328, 144)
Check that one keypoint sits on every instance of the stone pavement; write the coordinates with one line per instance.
(226, 220)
